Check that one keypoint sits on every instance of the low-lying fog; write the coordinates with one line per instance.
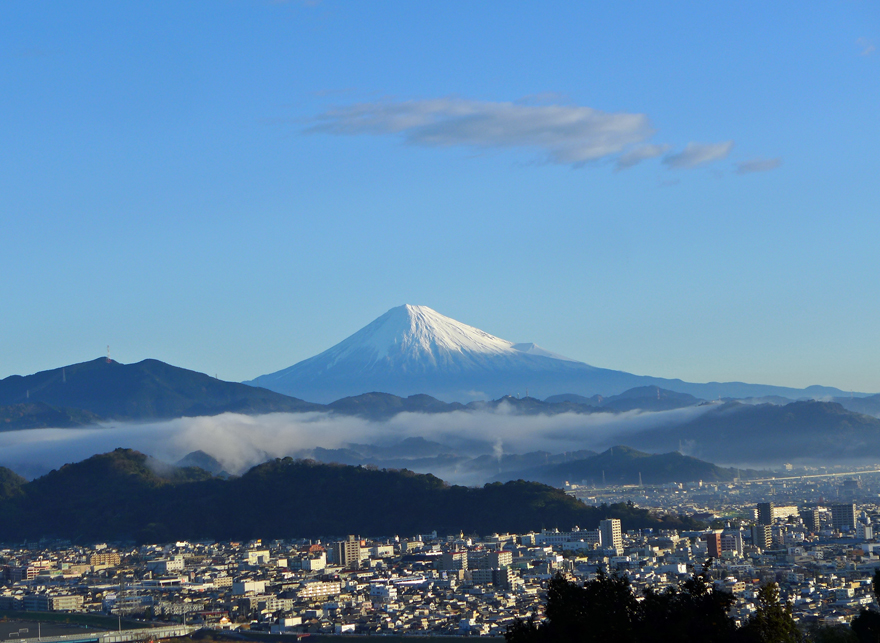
(239, 442)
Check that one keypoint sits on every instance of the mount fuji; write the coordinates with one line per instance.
(414, 349)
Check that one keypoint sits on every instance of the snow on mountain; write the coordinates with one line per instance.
(414, 349)
(417, 334)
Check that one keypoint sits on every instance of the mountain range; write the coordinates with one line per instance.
(414, 349)
(84, 393)
(758, 432)
(100, 390)
(622, 465)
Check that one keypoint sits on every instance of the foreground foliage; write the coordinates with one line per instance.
(606, 610)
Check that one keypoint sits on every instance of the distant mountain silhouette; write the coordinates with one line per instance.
(768, 433)
(415, 349)
(868, 405)
(595, 400)
(623, 465)
(381, 406)
(532, 406)
(147, 390)
(649, 398)
(640, 398)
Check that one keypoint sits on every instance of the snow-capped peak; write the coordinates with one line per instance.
(417, 331)
(415, 349)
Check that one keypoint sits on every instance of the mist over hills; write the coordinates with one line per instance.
(622, 465)
(807, 431)
(416, 350)
(124, 495)
(468, 444)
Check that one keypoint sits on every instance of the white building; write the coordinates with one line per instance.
(240, 588)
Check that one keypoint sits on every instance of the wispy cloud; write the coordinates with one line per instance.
(562, 134)
(866, 46)
(758, 165)
(639, 154)
(698, 154)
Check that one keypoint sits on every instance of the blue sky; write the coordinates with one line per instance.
(682, 191)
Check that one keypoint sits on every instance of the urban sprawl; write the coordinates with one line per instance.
(812, 534)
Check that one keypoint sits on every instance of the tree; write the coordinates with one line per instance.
(832, 634)
(867, 624)
(773, 622)
(606, 609)
(691, 612)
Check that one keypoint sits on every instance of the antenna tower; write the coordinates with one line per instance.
(108, 353)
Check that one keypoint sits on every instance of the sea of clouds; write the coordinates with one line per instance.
(239, 442)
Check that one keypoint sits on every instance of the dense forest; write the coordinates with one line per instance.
(125, 495)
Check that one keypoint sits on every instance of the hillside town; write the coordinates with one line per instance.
(822, 551)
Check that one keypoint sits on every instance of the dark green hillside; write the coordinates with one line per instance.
(123, 495)
(622, 465)
(10, 483)
(38, 415)
(147, 390)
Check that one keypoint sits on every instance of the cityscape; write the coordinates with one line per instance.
(815, 539)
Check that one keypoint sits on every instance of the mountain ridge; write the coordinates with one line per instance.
(624, 465)
(149, 389)
(415, 349)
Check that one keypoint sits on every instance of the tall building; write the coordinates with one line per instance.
(765, 513)
(107, 559)
(713, 542)
(811, 519)
(843, 517)
(610, 533)
(453, 560)
(348, 552)
(489, 559)
(731, 540)
(762, 536)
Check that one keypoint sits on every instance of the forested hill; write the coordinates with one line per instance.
(150, 389)
(124, 495)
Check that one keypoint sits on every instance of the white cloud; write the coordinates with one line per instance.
(698, 154)
(639, 154)
(866, 46)
(242, 441)
(563, 134)
(758, 165)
